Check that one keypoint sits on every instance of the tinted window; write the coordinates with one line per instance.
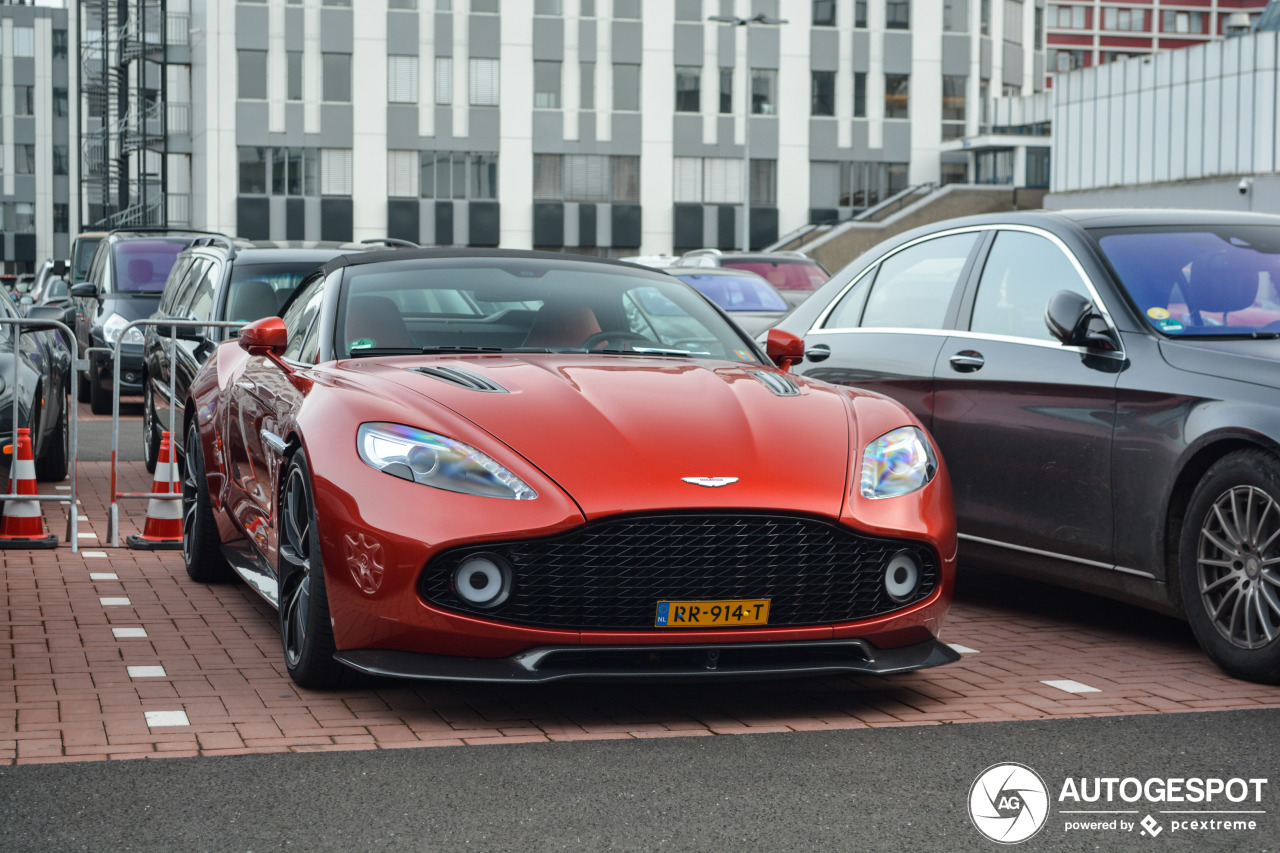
(143, 265)
(200, 306)
(1022, 273)
(299, 320)
(260, 290)
(915, 286)
(1201, 280)
(85, 247)
(736, 293)
(190, 278)
(849, 310)
(177, 278)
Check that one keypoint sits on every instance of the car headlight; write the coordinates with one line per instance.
(897, 463)
(114, 325)
(433, 460)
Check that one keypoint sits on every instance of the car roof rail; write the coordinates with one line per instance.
(391, 242)
(217, 240)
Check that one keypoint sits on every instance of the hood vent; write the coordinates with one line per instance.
(463, 378)
(780, 385)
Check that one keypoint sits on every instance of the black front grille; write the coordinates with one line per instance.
(610, 575)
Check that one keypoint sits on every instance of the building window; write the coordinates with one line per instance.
(548, 7)
(546, 84)
(293, 75)
(59, 44)
(24, 100)
(587, 85)
(1038, 167)
(764, 88)
(1067, 60)
(859, 94)
(863, 184)
(984, 17)
(860, 14)
(252, 75)
(444, 80)
(345, 4)
(484, 82)
(1068, 17)
(24, 42)
(24, 159)
(897, 14)
(253, 170)
(60, 103)
(824, 13)
(1125, 20)
(588, 9)
(688, 89)
(823, 95)
(487, 7)
(953, 104)
(688, 10)
(707, 180)
(24, 217)
(1183, 23)
(483, 172)
(1013, 21)
(60, 160)
(586, 178)
(626, 8)
(457, 174)
(402, 174)
(335, 171)
(626, 87)
(402, 4)
(402, 80)
(335, 77)
(955, 16)
(764, 183)
(726, 91)
(896, 90)
(61, 218)
(1038, 28)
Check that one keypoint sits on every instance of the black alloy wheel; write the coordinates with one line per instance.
(52, 466)
(306, 631)
(201, 544)
(150, 441)
(1229, 565)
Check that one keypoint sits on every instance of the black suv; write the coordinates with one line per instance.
(218, 279)
(125, 280)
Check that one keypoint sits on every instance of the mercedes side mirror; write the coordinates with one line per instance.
(84, 290)
(264, 336)
(1076, 322)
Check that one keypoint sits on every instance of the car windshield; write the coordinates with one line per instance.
(784, 275)
(84, 256)
(497, 304)
(1220, 281)
(735, 292)
(260, 290)
(143, 265)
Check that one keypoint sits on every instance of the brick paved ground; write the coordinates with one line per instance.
(73, 626)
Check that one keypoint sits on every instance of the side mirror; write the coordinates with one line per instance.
(84, 290)
(1071, 320)
(44, 312)
(784, 348)
(59, 268)
(267, 335)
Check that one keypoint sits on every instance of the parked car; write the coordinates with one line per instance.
(44, 371)
(50, 272)
(218, 279)
(749, 300)
(124, 283)
(501, 466)
(1105, 386)
(82, 249)
(794, 274)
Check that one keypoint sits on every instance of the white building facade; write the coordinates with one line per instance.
(600, 126)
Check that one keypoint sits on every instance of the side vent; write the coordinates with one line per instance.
(464, 378)
(777, 383)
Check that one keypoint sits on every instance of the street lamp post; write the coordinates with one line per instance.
(734, 21)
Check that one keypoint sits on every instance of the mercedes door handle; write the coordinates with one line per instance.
(818, 352)
(967, 361)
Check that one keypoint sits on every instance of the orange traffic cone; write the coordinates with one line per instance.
(23, 523)
(163, 530)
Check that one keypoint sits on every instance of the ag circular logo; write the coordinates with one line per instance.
(1008, 803)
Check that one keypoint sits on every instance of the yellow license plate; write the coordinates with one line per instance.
(712, 614)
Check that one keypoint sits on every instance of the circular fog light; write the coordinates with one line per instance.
(902, 576)
(483, 580)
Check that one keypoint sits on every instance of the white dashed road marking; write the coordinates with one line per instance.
(167, 718)
(1071, 686)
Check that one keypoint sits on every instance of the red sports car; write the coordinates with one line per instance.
(516, 466)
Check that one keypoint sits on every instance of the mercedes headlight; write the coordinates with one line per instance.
(433, 460)
(114, 325)
(897, 463)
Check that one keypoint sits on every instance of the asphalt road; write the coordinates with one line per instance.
(900, 789)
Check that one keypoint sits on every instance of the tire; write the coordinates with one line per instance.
(52, 466)
(306, 631)
(150, 438)
(1229, 565)
(201, 545)
(82, 389)
(99, 397)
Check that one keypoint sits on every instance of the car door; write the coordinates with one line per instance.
(1024, 423)
(885, 331)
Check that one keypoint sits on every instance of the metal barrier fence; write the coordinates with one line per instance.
(113, 521)
(77, 365)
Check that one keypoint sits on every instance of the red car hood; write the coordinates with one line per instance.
(620, 434)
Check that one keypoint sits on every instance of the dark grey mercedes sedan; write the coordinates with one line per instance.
(1105, 388)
